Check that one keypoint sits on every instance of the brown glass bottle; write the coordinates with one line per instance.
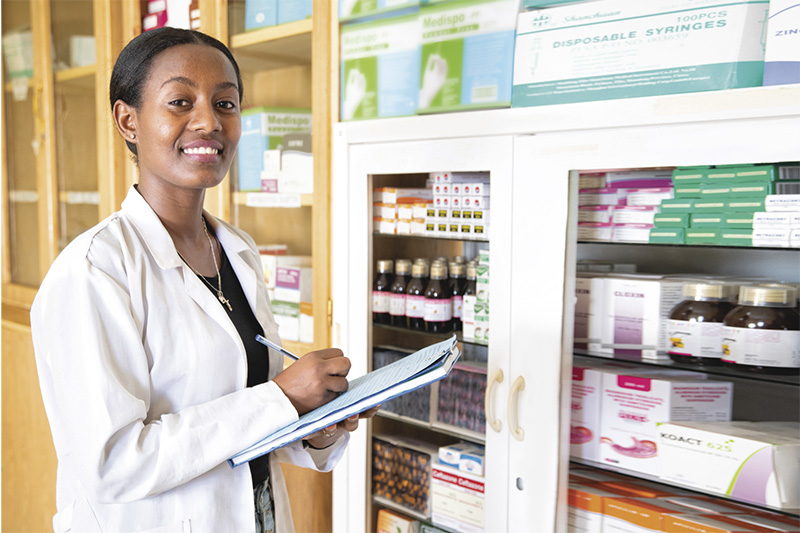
(397, 300)
(747, 347)
(457, 284)
(438, 301)
(694, 331)
(415, 296)
(470, 287)
(381, 291)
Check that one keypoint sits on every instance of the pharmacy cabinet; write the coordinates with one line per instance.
(357, 247)
(535, 157)
(56, 113)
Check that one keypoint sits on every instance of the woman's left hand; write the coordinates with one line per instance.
(329, 435)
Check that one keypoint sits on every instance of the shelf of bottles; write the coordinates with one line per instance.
(425, 284)
(699, 338)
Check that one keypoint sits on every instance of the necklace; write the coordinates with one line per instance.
(218, 288)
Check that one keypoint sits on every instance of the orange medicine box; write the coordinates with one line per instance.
(638, 515)
(709, 524)
(585, 511)
(636, 490)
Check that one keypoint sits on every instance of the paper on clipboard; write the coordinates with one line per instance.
(405, 375)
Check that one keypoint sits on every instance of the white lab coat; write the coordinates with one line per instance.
(143, 377)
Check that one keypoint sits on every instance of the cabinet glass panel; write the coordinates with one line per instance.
(76, 117)
(660, 365)
(272, 190)
(19, 145)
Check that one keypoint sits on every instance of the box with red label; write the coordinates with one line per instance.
(458, 499)
(633, 405)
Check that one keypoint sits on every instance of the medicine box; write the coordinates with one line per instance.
(782, 59)
(467, 54)
(18, 53)
(588, 323)
(292, 10)
(671, 220)
(688, 175)
(736, 237)
(415, 404)
(584, 433)
(350, 10)
(585, 507)
(460, 397)
(708, 523)
(389, 522)
(782, 202)
(380, 68)
(754, 462)
(458, 499)
(633, 405)
(263, 129)
(260, 14)
(638, 515)
(632, 48)
(636, 310)
(465, 456)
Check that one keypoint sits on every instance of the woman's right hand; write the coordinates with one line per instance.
(314, 379)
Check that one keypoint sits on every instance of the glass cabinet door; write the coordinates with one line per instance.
(75, 117)
(22, 264)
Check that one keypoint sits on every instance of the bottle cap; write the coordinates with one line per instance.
(419, 270)
(385, 266)
(709, 291)
(438, 271)
(768, 295)
(457, 270)
(402, 267)
(472, 271)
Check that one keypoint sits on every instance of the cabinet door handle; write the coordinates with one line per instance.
(494, 423)
(513, 422)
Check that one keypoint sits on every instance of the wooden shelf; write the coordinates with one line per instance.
(274, 47)
(78, 77)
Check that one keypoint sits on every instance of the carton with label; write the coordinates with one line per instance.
(636, 311)
(467, 54)
(782, 56)
(380, 68)
(629, 48)
(263, 129)
(458, 499)
(754, 462)
(633, 405)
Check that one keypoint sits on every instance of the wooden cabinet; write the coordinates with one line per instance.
(65, 169)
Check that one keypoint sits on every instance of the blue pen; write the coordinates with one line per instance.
(266, 342)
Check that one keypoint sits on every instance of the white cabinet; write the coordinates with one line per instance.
(531, 154)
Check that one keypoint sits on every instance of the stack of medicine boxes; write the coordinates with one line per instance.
(460, 205)
(262, 13)
(746, 205)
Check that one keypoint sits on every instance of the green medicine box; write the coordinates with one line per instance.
(757, 173)
(671, 220)
(785, 187)
(750, 189)
(666, 236)
(736, 237)
(706, 220)
(714, 189)
(702, 235)
(712, 205)
(677, 205)
(721, 174)
(686, 190)
(689, 175)
(738, 220)
(745, 204)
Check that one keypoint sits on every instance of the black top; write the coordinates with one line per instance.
(248, 327)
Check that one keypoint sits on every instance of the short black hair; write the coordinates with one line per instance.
(133, 64)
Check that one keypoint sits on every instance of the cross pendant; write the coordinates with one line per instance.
(224, 300)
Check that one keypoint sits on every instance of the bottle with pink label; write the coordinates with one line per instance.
(397, 299)
(415, 295)
(381, 291)
(438, 301)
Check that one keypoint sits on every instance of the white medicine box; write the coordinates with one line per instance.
(633, 406)
(756, 462)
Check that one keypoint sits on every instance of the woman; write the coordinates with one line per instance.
(144, 327)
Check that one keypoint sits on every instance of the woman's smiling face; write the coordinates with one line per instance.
(189, 122)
